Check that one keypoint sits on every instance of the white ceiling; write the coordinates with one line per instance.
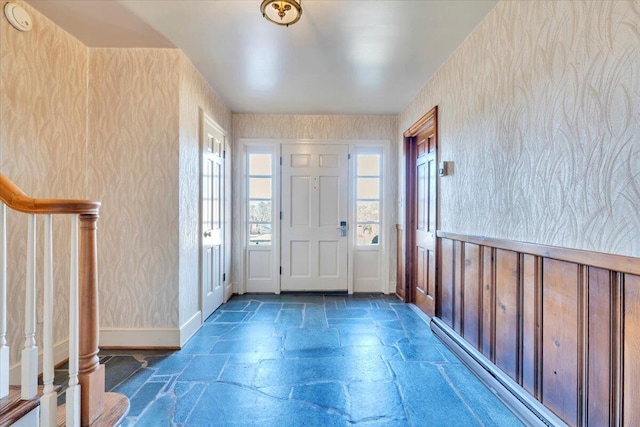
(342, 57)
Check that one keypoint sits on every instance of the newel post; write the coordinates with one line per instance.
(91, 372)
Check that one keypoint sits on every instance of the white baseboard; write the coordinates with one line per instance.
(392, 288)
(60, 354)
(190, 327)
(228, 292)
(237, 288)
(170, 338)
(139, 338)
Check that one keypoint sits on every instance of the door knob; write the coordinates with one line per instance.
(207, 233)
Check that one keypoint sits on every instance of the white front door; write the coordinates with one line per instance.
(212, 219)
(315, 189)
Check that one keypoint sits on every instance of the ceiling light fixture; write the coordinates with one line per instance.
(282, 12)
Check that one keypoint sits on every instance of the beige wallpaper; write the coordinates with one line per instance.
(133, 169)
(43, 103)
(264, 126)
(539, 110)
(195, 94)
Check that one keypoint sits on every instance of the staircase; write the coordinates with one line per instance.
(87, 404)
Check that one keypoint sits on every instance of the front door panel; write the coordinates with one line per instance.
(314, 202)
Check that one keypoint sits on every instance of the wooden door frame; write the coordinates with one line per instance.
(429, 119)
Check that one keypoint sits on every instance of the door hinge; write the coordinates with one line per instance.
(281, 271)
(349, 156)
(224, 277)
(224, 154)
(280, 215)
(280, 160)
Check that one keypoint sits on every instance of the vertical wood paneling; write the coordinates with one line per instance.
(631, 396)
(472, 294)
(506, 312)
(560, 338)
(599, 351)
(447, 288)
(458, 286)
(530, 305)
(567, 332)
(488, 302)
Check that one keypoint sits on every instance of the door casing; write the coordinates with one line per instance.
(207, 123)
(410, 267)
(272, 284)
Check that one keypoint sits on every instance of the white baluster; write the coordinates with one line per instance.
(73, 392)
(48, 402)
(30, 352)
(4, 349)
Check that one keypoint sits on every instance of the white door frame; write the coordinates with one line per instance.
(225, 211)
(274, 146)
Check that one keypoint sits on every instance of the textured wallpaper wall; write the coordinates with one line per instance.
(265, 126)
(195, 94)
(133, 169)
(539, 110)
(43, 105)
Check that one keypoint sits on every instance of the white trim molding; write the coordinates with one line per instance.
(190, 327)
(140, 338)
(60, 354)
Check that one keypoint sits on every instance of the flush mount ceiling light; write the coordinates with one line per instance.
(282, 12)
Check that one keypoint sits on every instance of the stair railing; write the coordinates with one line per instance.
(85, 395)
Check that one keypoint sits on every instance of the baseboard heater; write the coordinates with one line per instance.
(524, 406)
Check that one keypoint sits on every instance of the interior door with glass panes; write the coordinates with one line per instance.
(212, 221)
(314, 251)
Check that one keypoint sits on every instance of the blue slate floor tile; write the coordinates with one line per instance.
(187, 396)
(304, 371)
(234, 305)
(131, 386)
(299, 339)
(356, 313)
(477, 395)
(251, 345)
(169, 365)
(158, 413)
(243, 374)
(199, 344)
(237, 406)
(231, 317)
(359, 338)
(421, 352)
(327, 395)
(292, 318)
(374, 401)
(306, 360)
(253, 306)
(204, 368)
(416, 381)
(145, 396)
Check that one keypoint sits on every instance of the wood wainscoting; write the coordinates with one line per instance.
(563, 324)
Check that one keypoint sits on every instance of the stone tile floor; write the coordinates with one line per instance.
(306, 360)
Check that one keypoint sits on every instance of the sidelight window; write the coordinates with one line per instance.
(368, 196)
(260, 206)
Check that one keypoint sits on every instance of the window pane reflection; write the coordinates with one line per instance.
(367, 234)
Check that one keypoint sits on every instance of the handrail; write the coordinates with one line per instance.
(17, 200)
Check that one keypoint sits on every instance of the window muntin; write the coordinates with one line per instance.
(368, 198)
(260, 200)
